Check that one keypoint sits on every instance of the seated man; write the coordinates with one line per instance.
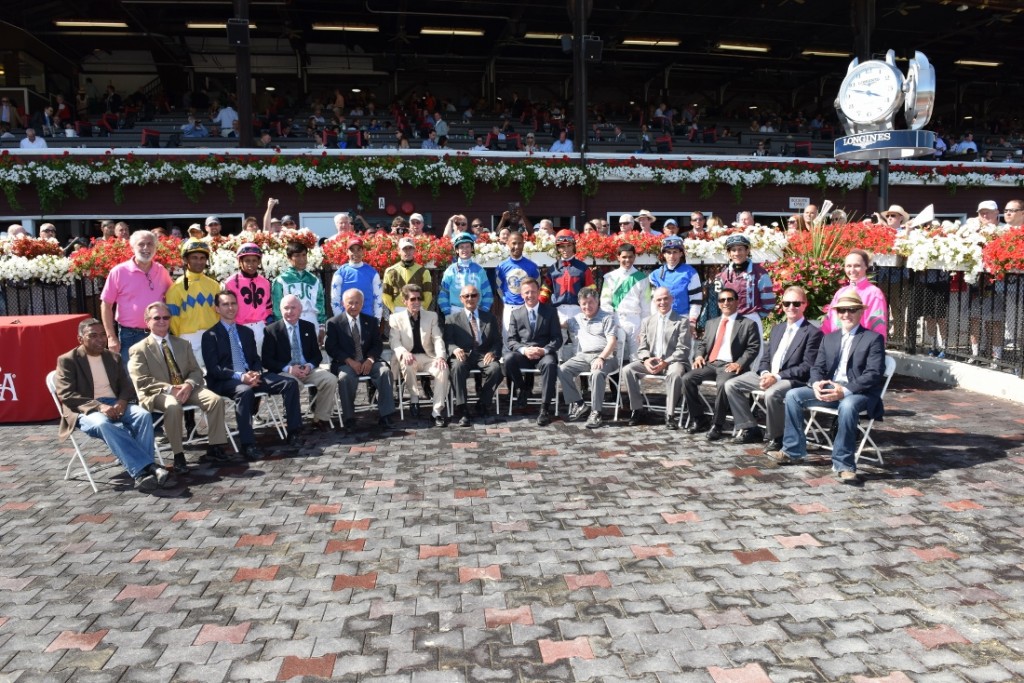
(354, 345)
(792, 348)
(534, 337)
(474, 342)
(233, 370)
(96, 394)
(418, 346)
(167, 376)
(664, 351)
(290, 348)
(736, 345)
(594, 332)
(848, 374)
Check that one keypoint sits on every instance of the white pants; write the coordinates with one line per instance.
(196, 340)
(506, 317)
(257, 329)
(424, 363)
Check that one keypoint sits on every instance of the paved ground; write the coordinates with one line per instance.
(508, 553)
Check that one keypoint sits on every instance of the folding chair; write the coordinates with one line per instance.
(193, 437)
(266, 402)
(611, 378)
(821, 434)
(401, 393)
(514, 392)
(52, 387)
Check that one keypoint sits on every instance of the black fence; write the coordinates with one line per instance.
(932, 312)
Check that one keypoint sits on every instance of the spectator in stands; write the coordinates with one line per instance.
(46, 122)
(531, 144)
(967, 145)
(212, 227)
(30, 141)
(810, 214)
(48, 231)
(224, 119)
(440, 126)
(761, 150)
(194, 129)
(5, 131)
(987, 323)
(112, 102)
(618, 135)
(646, 219)
(121, 230)
(626, 223)
(343, 225)
(16, 230)
(745, 219)
(431, 141)
(698, 225)
(795, 224)
(671, 227)
(562, 144)
(479, 146)
(9, 113)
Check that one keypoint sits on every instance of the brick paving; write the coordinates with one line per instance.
(511, 553)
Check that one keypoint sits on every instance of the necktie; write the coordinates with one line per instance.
(172, 365)
(719, 340)
(357, 339)
(297, 358)
(659, 351)
(474, 329)
(237, 357)
(533, 321)
(780, 354)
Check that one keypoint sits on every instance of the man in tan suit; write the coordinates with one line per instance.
(167, 376)
(418, 345)
(97, 395)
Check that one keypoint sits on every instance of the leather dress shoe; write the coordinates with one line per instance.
(751, 435)
(544, 419)
(216, 454)
(637, 417)
(464, 421)
(293, 437)
(320, 425)
(715, 433)
(386, 422)
(850, 478)
(251, 453)
(671, 422)
(773, 445)
(180, 464)
(698, 427)
(440, 421)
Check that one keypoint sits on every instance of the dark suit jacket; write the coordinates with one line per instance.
(75, 389)
(800, 356)
(745, 343)
(548, 333)
(220, 367)
(340, 345)
(865, 372)
(277, 347)
(457, 334)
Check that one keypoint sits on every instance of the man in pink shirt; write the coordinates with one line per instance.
(132, 286)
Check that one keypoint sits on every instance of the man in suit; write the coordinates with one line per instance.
(96, 394)
(418, 345)
(354, 345)
(664, 351)
(730, 346)
(848, 374)
(792, 348)
(167, 376)
(290, 348)
(534, 337)
(234, 370)
(474, 342)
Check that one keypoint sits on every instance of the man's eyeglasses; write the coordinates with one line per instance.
(460, 222)
(726, 299)
(844, 310)
(414, 298)
(160, 317)
(792, 304)
(50, 231)
(791, 222)
(1012, 210)
(470, 296)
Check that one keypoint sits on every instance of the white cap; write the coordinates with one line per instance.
(416, 217)
(988, 205)
(625, 218)
(406, 242)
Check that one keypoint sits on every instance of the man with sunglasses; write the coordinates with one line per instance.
(848, 375)
(729, 348)
(792, 348)
(418, 345)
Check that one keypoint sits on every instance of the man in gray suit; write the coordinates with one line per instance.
(534, 337)
(167, 376)
(664, 351)
(730, 346)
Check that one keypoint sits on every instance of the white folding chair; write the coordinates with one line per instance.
(514, 392)
(815, 431)
(266, 401)
(194, 437)
(52, 387)
(400, 377)
(610, 378)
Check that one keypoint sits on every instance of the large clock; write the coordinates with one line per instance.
(871, 92)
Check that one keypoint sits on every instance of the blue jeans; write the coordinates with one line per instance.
(129, 336)
(794, 443)
(130, 439)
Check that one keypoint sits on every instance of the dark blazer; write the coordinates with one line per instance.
(75, 389)
(216, 346)
(457, 334)
(679, 340)
(800, 356)
(548, 333)
(865, 372)
(745, 343)
(340, 345)
(277, 347)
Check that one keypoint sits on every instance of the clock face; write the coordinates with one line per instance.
(870, 92)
